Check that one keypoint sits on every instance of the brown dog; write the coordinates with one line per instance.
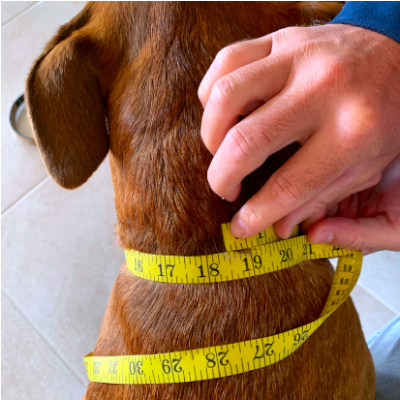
(140, 64)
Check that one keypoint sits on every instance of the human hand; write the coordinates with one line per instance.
(368, 220)
(333, 88)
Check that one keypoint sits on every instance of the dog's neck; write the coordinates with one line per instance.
(156, 148)
(155, 117)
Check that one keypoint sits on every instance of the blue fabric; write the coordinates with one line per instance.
(385, 349)
(378, 16)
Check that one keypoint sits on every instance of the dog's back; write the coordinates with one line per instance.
(145, 61)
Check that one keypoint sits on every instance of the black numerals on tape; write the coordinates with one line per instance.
(166, 366)
(170, 266)
(138, 265)
(212, 361)
(257, 263)
(222, 355)
(300, 337)
(287, 255)
(307, 249)
(213, 269)
(136, 367)
(201, 272)
(266, 351)
(96, 367)
(113, 367)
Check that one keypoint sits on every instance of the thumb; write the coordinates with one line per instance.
(364, 234)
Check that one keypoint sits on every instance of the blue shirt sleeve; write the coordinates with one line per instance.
(378, 16)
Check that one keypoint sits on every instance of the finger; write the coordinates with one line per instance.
(249, 143)
(305, 225)
(347, 184)
(367, 251)
(334, 208)
(231, 58)
(330, 211)
(363, 234)
(309, 171)
(232, 95)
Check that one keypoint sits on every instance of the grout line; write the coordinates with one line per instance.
(14, 17)
(24, 196)
(52, 348)
(371, 293)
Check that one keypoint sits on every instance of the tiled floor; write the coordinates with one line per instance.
(11, 9)
(58, 251)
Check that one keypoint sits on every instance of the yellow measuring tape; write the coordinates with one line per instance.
(260, 254)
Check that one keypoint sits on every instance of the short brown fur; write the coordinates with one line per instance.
(141, 64)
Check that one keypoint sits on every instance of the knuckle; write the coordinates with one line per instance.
(335, 75)
(222, 91)
(226, 55)
(354, 136)
(364, 117)
(243, 145)
(250, 215)
(290, 32)
(283, 191)
(293, 30)
(361, 123)
(308, 52)
(316, 207)
(248, 141)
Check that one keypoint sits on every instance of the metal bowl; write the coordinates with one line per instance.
(19, 121)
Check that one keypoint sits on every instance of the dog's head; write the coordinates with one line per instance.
(69, 86)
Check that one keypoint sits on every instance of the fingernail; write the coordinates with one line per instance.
(237, 227)
(325, 237)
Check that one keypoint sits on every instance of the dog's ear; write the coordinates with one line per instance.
(65, 105)
(318, 12)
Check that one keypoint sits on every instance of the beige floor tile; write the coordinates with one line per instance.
(373, 314)
(22, 41)
(381, 276)
(21, 165)
(59, 261)
(5, 16)
(17, 7)
(31, 370)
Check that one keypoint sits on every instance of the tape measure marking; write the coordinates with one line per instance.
(230, 265)
(234, 358)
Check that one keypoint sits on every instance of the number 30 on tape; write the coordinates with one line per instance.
(261, 254)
